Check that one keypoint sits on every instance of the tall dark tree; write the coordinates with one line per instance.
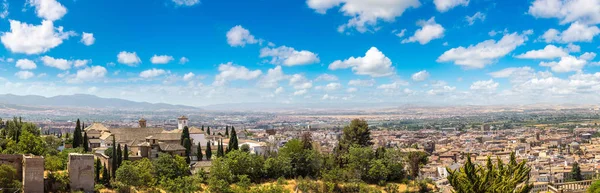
(97, 170)
(199, 152)
(125, 153)
(220, 152)
(208, 151)
(357, 133)
(227, 131)
(119, 155)
(188, 149)
(77, 135)
(105, 174)
(185, 134)
(233, 140)
(208, 130)
(202, 127)
(114, 158)
(416, 159)
(86, 144)
(307, 140)
(576, 172)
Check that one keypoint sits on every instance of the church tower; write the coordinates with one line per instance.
(142, 122)
(182, 122)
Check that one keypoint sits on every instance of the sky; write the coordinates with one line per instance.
(203, 52)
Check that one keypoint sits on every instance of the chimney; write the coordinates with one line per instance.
(142, 123)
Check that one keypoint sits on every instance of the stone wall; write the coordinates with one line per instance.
(81, 172)
(16, 161)
(33, 174)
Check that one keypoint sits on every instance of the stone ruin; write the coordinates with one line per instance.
(29, 168)
(81, 172)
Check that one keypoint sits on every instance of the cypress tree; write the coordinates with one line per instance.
(233, 140)
(208, 130)
(576, 172)
(188, 149)
(227, 131)
(208, 151)
(185, 134)
(86, 146)
(119, 156)
(199, 152)
(77, 135)
(125, 153)
(220, 152)
(98, 168)
(202, 127)
(105, 174)
(114, 158)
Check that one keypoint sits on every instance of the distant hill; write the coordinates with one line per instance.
(83, 101)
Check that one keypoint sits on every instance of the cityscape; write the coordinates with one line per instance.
(302, 96)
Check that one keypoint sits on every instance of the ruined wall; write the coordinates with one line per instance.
(33, 174)
(16, 161)
(81, 172)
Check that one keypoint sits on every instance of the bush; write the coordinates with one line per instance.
(59, 181)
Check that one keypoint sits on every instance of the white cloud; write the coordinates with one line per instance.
(399, 34)
(351, 90)
(477, 16)
(289, 56)
(188, 76)
(238, 36)
(128, 58)
(573, 48)
(566, 64)
(484, 53)
(87, 39)
(279, 90)
(364, 14)
(326, 77)
(430, 30)
(186, 2)
(484, 85)
(81, 63)
(332, 86)
(420, 76)
(33, 39)
(26, 64)
(445, 5)
(151, 73)
(4, 12)
(272, 78)
(299, 81)
(394, 85)
(183, 60)
(577, 32)
(93, 73)
(442, 89)
(24, 74)
(229, 72)
(59, 63)
(587, 56)
(567, 11)
(549, 52)
(48, 9)
(162, 59)
(373, 64)
(300, 92)
(361, 83)
(329, 97)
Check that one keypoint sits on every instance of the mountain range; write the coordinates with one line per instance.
(85, 101)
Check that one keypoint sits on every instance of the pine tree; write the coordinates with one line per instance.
(576, 172)
(77, 135)
(185, 134)
(199, 152)
(233, 140)
(119, 156)
(86, 145)
(188, 149)
(125, 153)
(98, 168)
(208, 151)
(114, 158)
(227, 131)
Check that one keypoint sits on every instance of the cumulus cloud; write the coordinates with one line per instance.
(445, 5)
(183, 60)
(484, 85)
(326, 77)
(289, 56)
(430, 30)
(48, 9)
(24, 74)
(373, 64)
(394, 85)
(279, 90)
(186, 2)
(332, 86)
(441, 88)
(566, 64)
(361, 83)
(365, 15)
(93, 73)
(420, 76)
(477, 16)
(300, 92)
(567, 11)
(188, 76)
(162, 59)
(577, 32)
(4, 12)
(272, 78)
(239, 36)
(329, 97)
(33, 39)
(351, 90)
(81, 63)
(549, 52)
(26, 64)
(87, 39)
(484, 53)
(128, 58)
(151, 73)
(230, 72)
(59, 63)
(299, 81)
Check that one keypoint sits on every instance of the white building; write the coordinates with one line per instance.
(182, 122)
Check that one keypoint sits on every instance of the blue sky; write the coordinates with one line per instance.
(193, 52)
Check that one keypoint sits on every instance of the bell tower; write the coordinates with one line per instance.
(182, 122)
(142, 122)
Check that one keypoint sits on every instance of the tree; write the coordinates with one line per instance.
(416, 159)
(86, 145)
(357, 133)
(185, 134)
(136, 174)
(8, 177)
(31, 144)
(576, 172)
(208, 151)
(188, 149)
(77, 135)
(220, 152)
(233, 140)
(125, 153)
(97, 170)
(278, 166)
(208, 130)
(115, 159)
(307, 140)
(53, 163)
(242, 163)
(227, 131)
(169, 166)
(119, 156)
(199, 152)
(245, 148)
(202, 127)
(304, 162)
(493, 178)
(105, 174)
(595, 187)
